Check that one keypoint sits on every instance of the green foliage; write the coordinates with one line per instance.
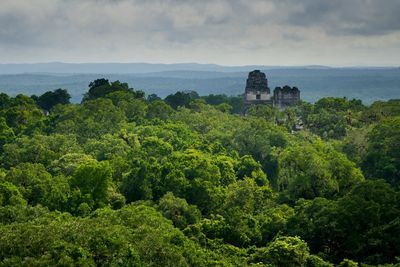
(310, 169)
(248, 167)
(357, 225)
(273, 220)
(177, 134)
(153, 97)
(225, 103)
(52, 98)
(6, 133)
(120, 180)
(263, 111)
(93, 180)
(92, 119)
(243, 201)
(338, 104)
(32, 180)
(134, 236)
(382, 159)
(67, 164)
(283, 251)
(138, 183)
(355, 144)
(315, 261)
(332, 117)
(102, 87)
(159, 109)
(133, 107)
(39, 149)
(107, 147)
(181, 99)
(178, 210)
(10, 195)
(348, 263)
(20, 113)
(381, 110)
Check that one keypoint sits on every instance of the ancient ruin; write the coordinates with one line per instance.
(257, 89)
(286, 96)
(258, 92)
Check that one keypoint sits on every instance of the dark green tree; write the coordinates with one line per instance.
(181, 99)
(382, 159)
(51, 98)
(93, 180)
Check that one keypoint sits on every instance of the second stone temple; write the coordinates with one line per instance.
(258, 92)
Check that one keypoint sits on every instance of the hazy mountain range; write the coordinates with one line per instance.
(128, 68)
(368, 83)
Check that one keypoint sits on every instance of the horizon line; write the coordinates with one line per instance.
(212, 64)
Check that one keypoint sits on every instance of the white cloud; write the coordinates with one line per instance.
(220, 31)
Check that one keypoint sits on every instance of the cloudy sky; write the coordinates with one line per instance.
(228, 32)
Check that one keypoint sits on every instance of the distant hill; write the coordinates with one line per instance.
(117, 68)
(367, 84)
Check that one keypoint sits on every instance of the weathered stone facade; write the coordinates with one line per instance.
(258, 92)
(257, 84)
(286, 96)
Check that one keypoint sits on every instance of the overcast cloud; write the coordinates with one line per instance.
(230, 32)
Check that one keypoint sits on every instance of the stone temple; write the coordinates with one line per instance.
(258, 92)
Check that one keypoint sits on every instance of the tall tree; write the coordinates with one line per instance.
(52, 98)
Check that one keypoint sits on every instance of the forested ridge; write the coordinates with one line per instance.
(125, 179)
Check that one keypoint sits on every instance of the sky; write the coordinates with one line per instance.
(225, 32)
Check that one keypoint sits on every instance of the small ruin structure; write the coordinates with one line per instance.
(257, 92)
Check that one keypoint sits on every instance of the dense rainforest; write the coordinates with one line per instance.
(125, 179)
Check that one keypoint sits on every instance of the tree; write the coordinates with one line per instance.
(283, 251)
(107, 146)
(159, 109)
(39, 149)
(348, 263)
(258, 139)
(357, 226)
(248, 167)
(136, 235)
(382, 159)
(242, 202)
(264, 111)
(32, 180)
(273, 220)
(10, 195)
(91, 119)
(6, 133)
(68, 163)
(153, 97)
(156, 147)
(93, 180)
(98, 83)
(202, 176)
(140, 182)
(381, 110)
(338, 104)
(355, 144)
(22, 113)
(178, 210)
(225, 103)
(5, 101)
(51, 98)
(315, 261)
(314, 169)
(332, 117)
(101, 87)
(204, 187)
(181, 99)
(130, 103)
